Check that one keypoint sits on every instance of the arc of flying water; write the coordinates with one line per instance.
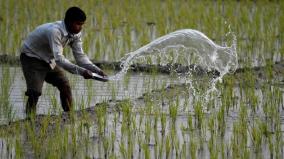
(212, 56)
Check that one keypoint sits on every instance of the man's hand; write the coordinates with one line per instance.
(87, 74)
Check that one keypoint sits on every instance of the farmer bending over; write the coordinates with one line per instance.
(42, 58)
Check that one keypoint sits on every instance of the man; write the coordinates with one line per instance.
(42, 58)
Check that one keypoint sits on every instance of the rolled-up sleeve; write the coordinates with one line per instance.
(57, 50)
(81, 58)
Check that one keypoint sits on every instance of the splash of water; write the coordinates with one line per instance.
(188, 47)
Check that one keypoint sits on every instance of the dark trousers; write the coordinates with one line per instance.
(36, 72)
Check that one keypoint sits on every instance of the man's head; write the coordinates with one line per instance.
(74, 19)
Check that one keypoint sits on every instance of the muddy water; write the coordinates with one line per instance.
(86, 93)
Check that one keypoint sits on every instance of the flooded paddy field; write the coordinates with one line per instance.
(164, 113)
(159, 117)
(86, 93)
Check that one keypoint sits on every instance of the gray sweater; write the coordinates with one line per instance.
(47, 41)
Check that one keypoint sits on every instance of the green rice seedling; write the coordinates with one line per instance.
(74, 144)
(278, 137)
(83, 132)
(266, 105)
(243, 124)
(163, 120)
(106, 145)
(101, 112)
(279, 99)
(126, 80)
(90, 94)
(7, 151)
(83, 103)
(156, 147)
(32, 137)
(141, 117)
(113, 92)
(186, 103)
(19, 150)
(221, 120)
(168, 146)
(228, 96)
(139, 142)
(156, 133)
(162, 147)
(54, 102)
(98, 49)
(5, 105)
(131, 143)
(234, 142)
(193, 148)
(173, 109)
(263, 128)
(239, 137)
(127, 111)
(173, 137)
(246, 153)
(55, 144)
(176, 144)
(183, 150)
(146, 151)
(113, 137)
(65, 141)
(190, 123)
(211, 124)
(156, 118)
(44, 127)
(115, 119)
(133, 125)
(256, 138)
(213, 149)
(223, 151)
(253, 100)
(272, 109)
(148, 130)
(123, 130)
(271, 146)
(198, 114)
(149, 104)
(122, 149)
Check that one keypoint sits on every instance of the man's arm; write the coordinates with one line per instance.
(57, 49)
(81, 58)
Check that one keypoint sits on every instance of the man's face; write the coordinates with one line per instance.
(76, 27)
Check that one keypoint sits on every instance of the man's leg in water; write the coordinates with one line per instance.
(34, 71)
(57, 78)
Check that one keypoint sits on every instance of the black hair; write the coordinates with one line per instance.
(74, 14)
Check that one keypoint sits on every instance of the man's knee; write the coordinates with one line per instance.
(32, 93)
(64, 87)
